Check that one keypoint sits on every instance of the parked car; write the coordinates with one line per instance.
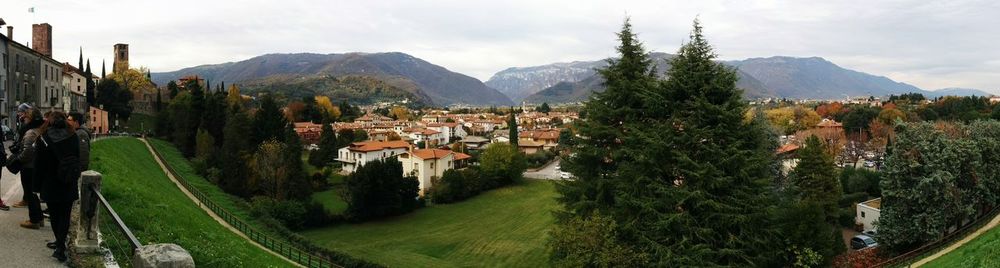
(862, 241)
(564, 175)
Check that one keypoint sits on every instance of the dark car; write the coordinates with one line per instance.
(862, 241)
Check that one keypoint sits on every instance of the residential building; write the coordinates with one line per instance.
(308, 132)
(3, 77)
(830, 123)
(788, 157)
(449, 130)
(868, 213)
(530, 147)
(475, 142)
(359, 153)
(548, 137)
(430, 137)
(99, 121)
(429, 164)
(75, 83)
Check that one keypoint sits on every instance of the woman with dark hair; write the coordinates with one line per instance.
(58, 167)
(24, 154)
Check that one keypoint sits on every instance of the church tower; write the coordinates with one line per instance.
(121, 58)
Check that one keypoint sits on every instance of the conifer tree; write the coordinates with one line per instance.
(103, 70)
(91, 86)
(327, 147)
(817, 188)
(236, 145)
(512, 124)
(683, 176)
(80, 65)
(269, 122)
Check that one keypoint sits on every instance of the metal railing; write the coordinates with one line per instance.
(285, 249)
(115, 236)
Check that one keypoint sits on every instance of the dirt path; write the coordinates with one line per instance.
(209, 211)
(952, 247)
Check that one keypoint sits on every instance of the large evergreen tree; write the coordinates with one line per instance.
(236, 145)
(819, 189)
(269, 122)
(682, 175)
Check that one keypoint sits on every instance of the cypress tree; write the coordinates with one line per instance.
(91, 86)
(103, 70)
(80, 65)
(512, 124)
(327, 147)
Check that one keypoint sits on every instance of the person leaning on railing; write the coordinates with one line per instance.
(58, 167)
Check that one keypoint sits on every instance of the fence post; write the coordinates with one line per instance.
(87, 223)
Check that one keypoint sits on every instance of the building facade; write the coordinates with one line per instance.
(360, 153)
(99, 123)
(427, 165)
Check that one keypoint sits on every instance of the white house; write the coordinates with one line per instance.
(449, 130)
(429, 164)
(868, 213)
(428, 136)
(359, 153)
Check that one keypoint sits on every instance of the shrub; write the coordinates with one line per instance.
(290, 213)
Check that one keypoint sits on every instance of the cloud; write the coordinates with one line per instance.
(928, 44)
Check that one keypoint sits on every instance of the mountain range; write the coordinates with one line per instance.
(779, 76)
(397, 71)
(393, 76)
(572, 82)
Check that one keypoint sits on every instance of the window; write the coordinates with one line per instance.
(432, 164)
(862, 214)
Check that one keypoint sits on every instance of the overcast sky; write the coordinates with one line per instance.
(930, 44)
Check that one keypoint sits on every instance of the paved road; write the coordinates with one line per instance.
(20, 247)
(548, 172)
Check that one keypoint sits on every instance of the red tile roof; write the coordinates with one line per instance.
(430, 153)
(369, 146)
(787, 148)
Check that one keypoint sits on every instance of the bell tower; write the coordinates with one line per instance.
(121, 58)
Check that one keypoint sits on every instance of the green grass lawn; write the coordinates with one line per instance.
(984, 251)
(137, 123)
(506, 227)
(331, 200)
(158, 212)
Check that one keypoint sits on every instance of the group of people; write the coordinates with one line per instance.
(50, 152)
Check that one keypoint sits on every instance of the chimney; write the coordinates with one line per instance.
(41, 38)
(10, 32)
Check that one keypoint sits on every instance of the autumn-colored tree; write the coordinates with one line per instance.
(830, 110)
(134, 80)
(269, 170)
(294, 111)
(890, 115)
(324, 103)
(392, 136)
(233, 97)
(833, 138)
(792, 119)
(881, 134)
(400, 113)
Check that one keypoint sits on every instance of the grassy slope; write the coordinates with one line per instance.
(984, 251)
(140, 122)
(158, 212)
(501, 228)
